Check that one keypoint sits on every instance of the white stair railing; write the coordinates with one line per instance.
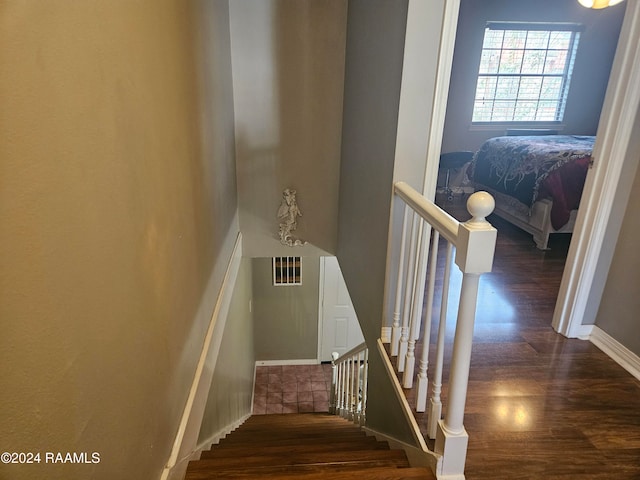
(348, 397)
(424, 226)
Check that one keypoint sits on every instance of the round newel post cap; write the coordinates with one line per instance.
(480, 205)
(334, 356)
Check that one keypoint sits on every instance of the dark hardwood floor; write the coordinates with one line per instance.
(541, 406)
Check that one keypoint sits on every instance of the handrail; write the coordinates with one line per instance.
(424, 225)
(348, 395)
(436, 217)
(350, 353)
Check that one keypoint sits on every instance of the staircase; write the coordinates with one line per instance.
(302, 446)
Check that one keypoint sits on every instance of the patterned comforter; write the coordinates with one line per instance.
(531, 168)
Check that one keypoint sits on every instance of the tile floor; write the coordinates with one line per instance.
(292, 389)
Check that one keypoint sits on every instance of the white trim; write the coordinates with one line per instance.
(406, 409)
(603, 182)
(184, 445)
(618, 352)
(216, 437)
(321, 305)
(385, 335)
(441, 92)
(416, 457)
(303, 361)
(421, 111)
(584, 332)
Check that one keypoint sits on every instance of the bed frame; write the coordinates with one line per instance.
(537, 223)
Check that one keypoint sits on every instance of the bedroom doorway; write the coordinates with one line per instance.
(614, 136)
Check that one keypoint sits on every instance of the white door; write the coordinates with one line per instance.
(339, 327)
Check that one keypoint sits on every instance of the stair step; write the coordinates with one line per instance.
(291, 418)
(380, 457)
(233, 441)
(220, 451)
(289, 437)
(373, 473)
(302, 446)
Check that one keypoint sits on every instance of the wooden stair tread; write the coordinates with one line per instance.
(302, 446)
(291, 439)
(373, 473)
(366, 443)
(394, 457)
(234, 441)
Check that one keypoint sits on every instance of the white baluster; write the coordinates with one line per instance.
(395, 329)
(356, 390)
(474, 255)
(426, 333)
(408, 295)
(435, 404)
(347, 389)
(365, 382)
(341, 371)
(424, 235)
(334, 383)
(352, 375)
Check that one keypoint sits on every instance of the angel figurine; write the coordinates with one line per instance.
(288, 214)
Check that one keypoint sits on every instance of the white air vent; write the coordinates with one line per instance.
(287, 271)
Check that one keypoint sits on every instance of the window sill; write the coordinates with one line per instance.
(495, 127)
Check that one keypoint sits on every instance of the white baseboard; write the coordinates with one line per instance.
(216, 437)
(184, 445)
(583, 332)
(385, 334)
(618, 352)
(303, 361)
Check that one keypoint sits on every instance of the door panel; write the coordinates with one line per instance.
(340, 330)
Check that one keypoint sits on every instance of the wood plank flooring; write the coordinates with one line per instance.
(541, 405)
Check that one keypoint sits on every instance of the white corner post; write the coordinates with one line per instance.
(474, 256)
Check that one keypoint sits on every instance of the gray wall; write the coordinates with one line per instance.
(288, 73)
(118, 207)
(285, 318)
(590, 75)
(375, 43)
(232, 386)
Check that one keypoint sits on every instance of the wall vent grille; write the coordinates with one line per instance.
(287, 271)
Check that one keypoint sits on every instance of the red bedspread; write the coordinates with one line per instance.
(564, 186)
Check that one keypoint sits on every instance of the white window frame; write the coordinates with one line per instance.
(559, 101)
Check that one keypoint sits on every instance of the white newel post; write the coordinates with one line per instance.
(474, 255)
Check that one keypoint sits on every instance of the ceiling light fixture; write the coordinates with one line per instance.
(598, 3)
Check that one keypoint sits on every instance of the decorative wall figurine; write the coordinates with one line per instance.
(288, 214)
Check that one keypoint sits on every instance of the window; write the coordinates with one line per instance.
(287, 271)
(525, 70)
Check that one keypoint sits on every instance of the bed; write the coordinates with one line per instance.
(537, 181)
